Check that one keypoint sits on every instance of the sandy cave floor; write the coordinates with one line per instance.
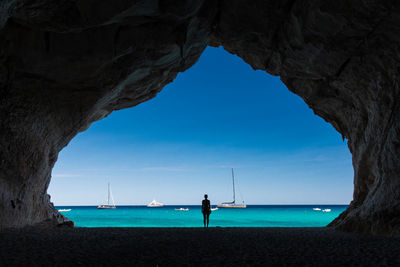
(194, 247)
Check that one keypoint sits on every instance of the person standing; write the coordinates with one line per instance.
(206, 210)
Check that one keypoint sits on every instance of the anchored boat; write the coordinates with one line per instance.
(108, 206)
(64, 210)
(232, 205)
(182, 209)
(155, 204)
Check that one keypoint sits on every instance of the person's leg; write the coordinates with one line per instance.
(204, 218)
(208, 218)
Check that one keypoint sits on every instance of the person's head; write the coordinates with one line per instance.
(205, 196)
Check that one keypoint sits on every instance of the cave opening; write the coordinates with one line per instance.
(218, 114)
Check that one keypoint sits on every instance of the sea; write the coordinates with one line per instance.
(168, 216)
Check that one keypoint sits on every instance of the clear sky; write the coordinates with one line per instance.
(181, 144)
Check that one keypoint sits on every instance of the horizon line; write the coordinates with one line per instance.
(95, 205)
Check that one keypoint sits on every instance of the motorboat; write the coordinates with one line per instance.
(64, 210)
(155, 204)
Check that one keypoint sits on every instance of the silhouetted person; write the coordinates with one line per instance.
(206, 210)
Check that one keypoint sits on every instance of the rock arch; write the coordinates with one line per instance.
(65, 64)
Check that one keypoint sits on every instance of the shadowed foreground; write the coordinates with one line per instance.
(194, 246)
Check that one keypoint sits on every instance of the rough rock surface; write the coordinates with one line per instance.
(65, 64)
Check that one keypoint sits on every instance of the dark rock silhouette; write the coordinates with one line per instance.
(65, 64)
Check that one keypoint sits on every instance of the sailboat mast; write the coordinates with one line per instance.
(108, 199)
(233, 182)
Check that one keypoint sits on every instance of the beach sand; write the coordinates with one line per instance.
(194, 247)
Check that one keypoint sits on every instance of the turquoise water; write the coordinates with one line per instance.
(252, 216)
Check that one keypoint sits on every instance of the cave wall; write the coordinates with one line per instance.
(65, 64)
(342, 58)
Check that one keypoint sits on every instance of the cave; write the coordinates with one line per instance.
(65, 64)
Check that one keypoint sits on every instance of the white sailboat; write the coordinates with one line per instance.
(108, 206)
(155, 204)
(232, 205)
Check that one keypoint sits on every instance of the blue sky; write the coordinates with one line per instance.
(181, 144)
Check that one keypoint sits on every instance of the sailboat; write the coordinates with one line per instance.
(108, 206)
(232, 204)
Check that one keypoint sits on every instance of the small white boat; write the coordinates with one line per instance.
(316, 209)
(155, 204)
(108, 206)
(326, 210)
(64, 210)
(182, 209)
(214, 209)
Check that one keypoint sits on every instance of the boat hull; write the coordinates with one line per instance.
(232, 206)
(106, 208)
